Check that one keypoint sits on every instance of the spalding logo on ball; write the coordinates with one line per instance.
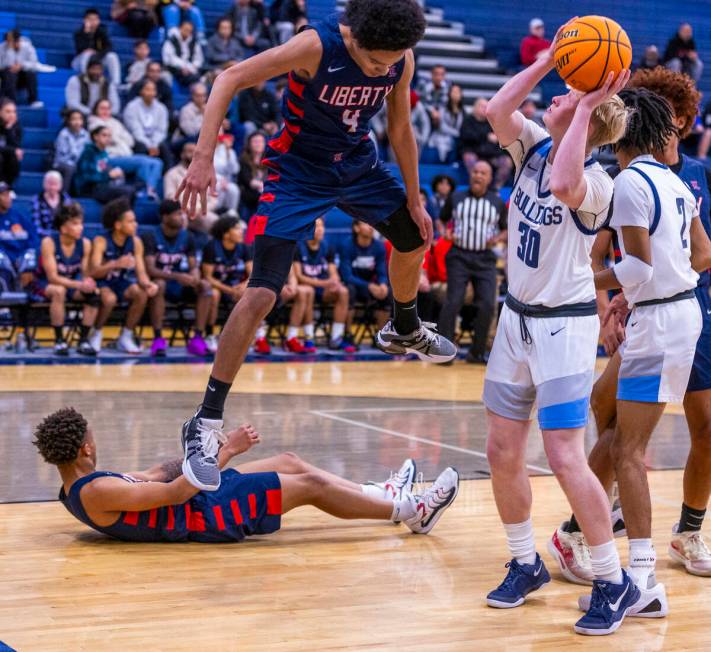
(587, 49)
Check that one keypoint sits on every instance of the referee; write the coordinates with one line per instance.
(476, 220)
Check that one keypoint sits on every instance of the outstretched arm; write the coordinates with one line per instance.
(301, 53)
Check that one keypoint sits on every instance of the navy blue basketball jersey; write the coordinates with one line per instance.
(330, 114)
(245, 504)
(171, 255)
(695, 176)
(230, 266)
(114, 252)
(314, 263)
(67, 266)
(363, 264)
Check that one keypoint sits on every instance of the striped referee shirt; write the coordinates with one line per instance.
(474, 219)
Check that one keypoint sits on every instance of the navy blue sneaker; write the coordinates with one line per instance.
(609, 604)
(521, 580)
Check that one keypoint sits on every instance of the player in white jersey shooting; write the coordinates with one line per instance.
(546, 342)
(657, 221)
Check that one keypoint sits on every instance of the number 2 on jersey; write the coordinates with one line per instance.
(530, 245)
(350, 119)
(681, 207)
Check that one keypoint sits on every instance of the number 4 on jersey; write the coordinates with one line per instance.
(350, 119)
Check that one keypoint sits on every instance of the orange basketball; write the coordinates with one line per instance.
(588, 49)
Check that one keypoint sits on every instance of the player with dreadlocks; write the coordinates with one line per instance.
(687, 544)
(661, 241)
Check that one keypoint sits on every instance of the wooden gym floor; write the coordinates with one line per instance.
(318, 584)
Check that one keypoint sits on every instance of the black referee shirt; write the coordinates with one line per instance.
(474, 219)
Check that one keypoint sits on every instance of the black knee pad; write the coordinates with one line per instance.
(400, 229)
(271, 262)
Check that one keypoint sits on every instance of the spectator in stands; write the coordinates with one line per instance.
(420, 121)
(91, 41)
(252, 173)
(364, 271)
(446, 125)
(223, 47)
(226, 170)
(137, 16)
(442, 188)
(156, 74)
(287, 16)
(705, 140)
(435, 92)
(63, 275)
(248, 26)
(258, 109)
(478, 141)
(182, 54)
(95, 177)
(171, 262)
(174, 177)
(681, 54)
(147, 120)
(535, 44)
(226, 266)
(180, 11)
(70, 143)
(528, 110)
(19, 242)
(48, 204)
(141, 58)
(650, 58)
(316, 270)
(18, 67)
(11, 152)
(191, 115)
(147, 169)
(476, 219)
(84, 90)
(118, 266)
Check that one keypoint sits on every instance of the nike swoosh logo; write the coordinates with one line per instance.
(708, 312)
(634, 323)
(210, 387)
(616, 605)
(331, 69)
(530, 166)
(537, 572)
(558, 331)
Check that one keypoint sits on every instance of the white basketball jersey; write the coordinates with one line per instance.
(649, 195)
(548, 243)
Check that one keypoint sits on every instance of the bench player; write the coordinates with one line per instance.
(341, 72)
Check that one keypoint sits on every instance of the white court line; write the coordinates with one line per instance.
(262, 413)
(406, 409)
(422, 440)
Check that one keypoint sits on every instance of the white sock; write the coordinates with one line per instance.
(292, 332)
(373, 490)
(127, 332)
(404, 509)
(337, 330)
(309, 331)
(642, 560)
(606, 562)
(521, 543)
(261, 332)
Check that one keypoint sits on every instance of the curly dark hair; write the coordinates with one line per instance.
(676, 88)
(114, 211)
(389, 25)
(650, 123)
(60, 436)
(68, 212)
(222, 226)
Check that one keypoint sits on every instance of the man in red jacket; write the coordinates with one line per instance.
(534, 44)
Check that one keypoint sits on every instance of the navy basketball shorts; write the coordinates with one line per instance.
(178, 293)
(298, 190)
(700, 378)
(117, 285)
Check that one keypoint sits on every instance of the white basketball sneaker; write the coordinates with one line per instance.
(690, 549)
(652, 602)
(398, 483)
(434, 501)
(571, 552)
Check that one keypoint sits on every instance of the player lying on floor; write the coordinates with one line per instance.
(159, 504)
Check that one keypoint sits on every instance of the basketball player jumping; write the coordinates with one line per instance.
(546, 341)
(687, 545)
(159, 504)
(340, 74)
